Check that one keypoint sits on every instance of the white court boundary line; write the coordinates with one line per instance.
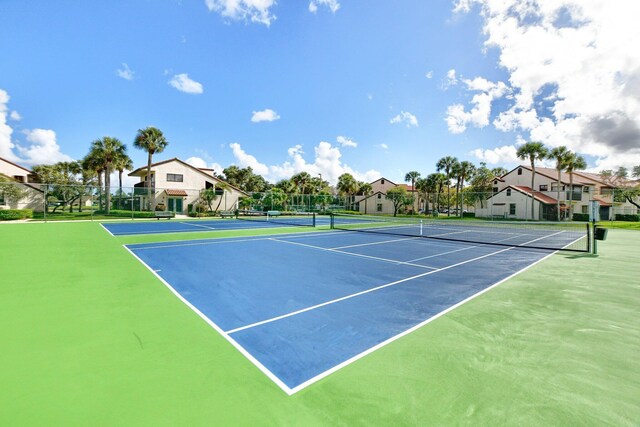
(290, 391)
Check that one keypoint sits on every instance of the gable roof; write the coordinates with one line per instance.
(15, 164)
(542, 198)
(200, 171)
(382, 177)
(579, 177)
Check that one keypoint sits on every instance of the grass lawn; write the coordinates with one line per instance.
(90, 337)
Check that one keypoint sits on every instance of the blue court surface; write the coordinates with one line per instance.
(302, 306)
(195, 225)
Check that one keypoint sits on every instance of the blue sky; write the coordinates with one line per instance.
(372, 88)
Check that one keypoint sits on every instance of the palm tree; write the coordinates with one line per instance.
(107, 150)
(435, 181)
(93, 164)
(347, 185)
(559, 154)
(221, 186)
(465, 172)
(152, 141)
(422, 185)
(533, 151)
(365, 189)
(411, 177)
(573, 162)
(121, 163)
(447, 164)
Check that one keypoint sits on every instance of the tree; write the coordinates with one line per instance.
(108, 150)
(481, 183)
(301, 181)
(121, 163)
(411, 177)
(221, 186)
(62, 183)
(532, 151)
(435, 182)
(422, 188)
(636, 172)
(366, 190)
(93, 165)
(447, 164)
(622, 173)
(559, 154)
(464, 171)
(10, 190)
(499, 171)
(399, 197)
(573, 162)
(347, 186)
(606, 175)
(152, 141)
(207, 196)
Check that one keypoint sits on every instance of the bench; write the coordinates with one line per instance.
(164, 214)
(227, 214)
(273, 213)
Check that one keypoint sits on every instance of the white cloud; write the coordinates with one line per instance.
(574, 71)
(498, 155)
(405, 117)
(183, 83)
(267, 115)
(126, 72)
(383, 146)
(451, 80)
(43, 148)
(333, 5)
(429, 74)
(346, 142)
(252, 10)
(369, 97)
(457, 118)
(327, 161)
(201, 163)
(15, 116)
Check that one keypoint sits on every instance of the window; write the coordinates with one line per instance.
(382, 181)
(554, 187)
(508, 191)
(544, 187)
(1, 198)
(495, 190)
(18, 178)
(495, 182)
(174, 177)
(512, 208)
(585, 209)
(585, 189)
(519, 171)
(379, 196)
(379, 207)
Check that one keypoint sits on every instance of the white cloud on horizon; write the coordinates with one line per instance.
(574, 72)
(126, 72)
(242, 10)
(266, 115)
(405, 117)
(199, 162)
(42, 148)
(15, 116)
(333, 5)
(183, 83)
(327, 161)
(346, 142)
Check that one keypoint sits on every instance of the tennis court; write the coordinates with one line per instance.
(302, 306)
(195, 225)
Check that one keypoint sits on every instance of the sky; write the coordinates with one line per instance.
(373, 88)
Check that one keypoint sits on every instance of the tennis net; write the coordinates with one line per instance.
(568, 236)
(304, 219)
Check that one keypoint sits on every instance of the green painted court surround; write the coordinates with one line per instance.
(90, 337)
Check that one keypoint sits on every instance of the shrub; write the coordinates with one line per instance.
(580, 217)
(468, 214)
(628, 217)
(13, 214)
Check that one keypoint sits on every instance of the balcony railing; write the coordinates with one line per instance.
(141, 188)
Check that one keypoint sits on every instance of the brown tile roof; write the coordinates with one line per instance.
(176, 192)
(536, 194)
(602, 202)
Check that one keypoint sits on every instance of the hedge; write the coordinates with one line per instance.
(580, 217)
(12, 214)
(126, 214)
(628, 217)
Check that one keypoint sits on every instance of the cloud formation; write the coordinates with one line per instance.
(574, 72)
(267, 115)
(405, 117)
(346, 142)
(125, 72)
(258, 11)
(41, 147)
(183, 83)
(333, 5)
(458, 119)
(201, 163)
(327, 161)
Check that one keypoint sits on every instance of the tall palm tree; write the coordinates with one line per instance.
(411, 177)
(108, 149)
(121, 163)
(533, 151)
(435, 182)
(221, 186)
(447, 164)
(559, 154)
(347, 185)
(422, 185)
(366, 190)
(465, 172)
(152, 141)
(93, 164)
(573, 162)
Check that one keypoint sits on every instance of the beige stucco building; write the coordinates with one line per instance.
(377, 202)
(176, 184)
(32, 195)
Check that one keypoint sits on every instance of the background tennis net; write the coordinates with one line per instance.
(304, 219)
(568, 236)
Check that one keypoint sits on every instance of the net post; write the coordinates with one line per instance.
(332, 222)
(589, 236)
(314, 218)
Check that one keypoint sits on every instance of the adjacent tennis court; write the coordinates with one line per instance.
(302, 306)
